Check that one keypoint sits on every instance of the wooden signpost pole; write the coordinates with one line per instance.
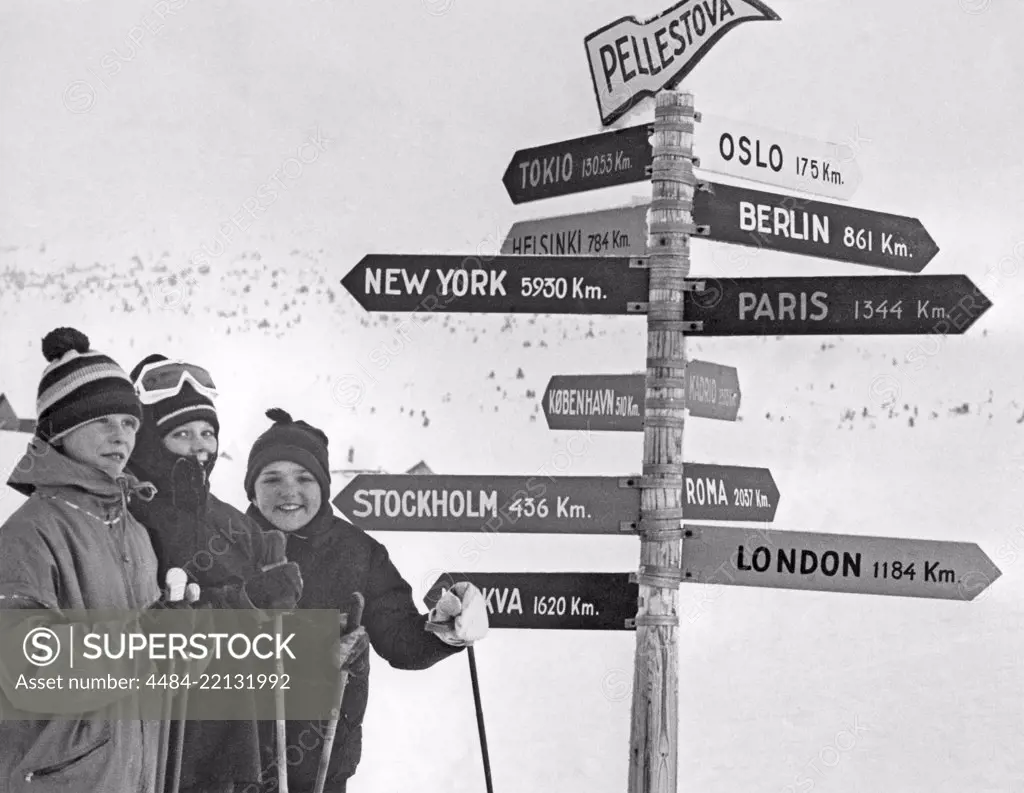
(654, 730)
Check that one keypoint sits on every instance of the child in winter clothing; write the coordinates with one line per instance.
(74, 545)
(288, 482)
(221, 549)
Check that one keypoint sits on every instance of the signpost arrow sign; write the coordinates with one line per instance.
(847, 305)
(607, 402)
(518, 504)
(502, 284)
(761, 154)
(630, 60)
(608, 232)
(9, 420)
(564, 601)
(616, 402)
(546, 504)
(752, 218)
(729, 492)
(836, 562)
(574, 166)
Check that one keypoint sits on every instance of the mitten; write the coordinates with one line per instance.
(279, 587)
(460, 616)
(349, 648)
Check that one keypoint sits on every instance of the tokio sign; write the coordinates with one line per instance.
(575, 166)
(546, 504)
(789, 224)
(607, 232)
(615, 402)
(499, 284)
(563, 601)
(835, 562)
(630, 60)
(761, 154)
(840, 305)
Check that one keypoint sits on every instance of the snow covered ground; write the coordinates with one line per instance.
(774, 684)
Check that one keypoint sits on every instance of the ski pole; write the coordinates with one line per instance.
(480, 718)
(355, 618)
(280, 724)
(176, 580)
(276, 544)
(453, 607)
(174, 761)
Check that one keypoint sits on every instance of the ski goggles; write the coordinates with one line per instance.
(163, 379)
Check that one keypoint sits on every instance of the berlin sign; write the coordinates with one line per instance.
(742, 216)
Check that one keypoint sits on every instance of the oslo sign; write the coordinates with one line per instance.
(564, 601)
(616, 402)
(500, 284)
(546, 504)
(574, 166)
(752, 218)
(630, 60)
(761, 154)
(607, 232)
(840, 305)
(835, 562)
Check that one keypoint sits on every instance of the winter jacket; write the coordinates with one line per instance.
(219, 548)
(336, 560)
(74, 545)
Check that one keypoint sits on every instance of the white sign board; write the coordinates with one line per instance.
(761, 154)
(630, 60)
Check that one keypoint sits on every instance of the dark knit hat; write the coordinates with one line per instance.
(180, 408)
(295, 441)
(79, 385)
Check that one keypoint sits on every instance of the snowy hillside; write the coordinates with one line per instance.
(770, 680)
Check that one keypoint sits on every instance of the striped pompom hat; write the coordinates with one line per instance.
(79, 385)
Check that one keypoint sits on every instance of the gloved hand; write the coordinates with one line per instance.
(460, 616)
(347, 650)
(278, 587)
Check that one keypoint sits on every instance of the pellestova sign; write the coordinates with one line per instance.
(630, 60)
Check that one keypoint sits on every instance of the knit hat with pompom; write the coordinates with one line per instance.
(291, 440)
(79, 385)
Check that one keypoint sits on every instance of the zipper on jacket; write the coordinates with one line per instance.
(58, 767)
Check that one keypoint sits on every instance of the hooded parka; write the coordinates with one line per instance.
(73, 545)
